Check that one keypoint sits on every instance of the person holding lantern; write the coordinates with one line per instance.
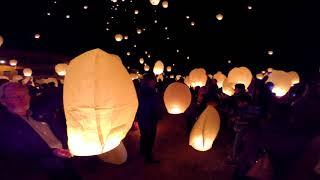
(148, 115)
(28, 145)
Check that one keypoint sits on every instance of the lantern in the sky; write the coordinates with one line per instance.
(100, 103)
(295, 79)
(165, 4)
(281, 81)
(146, 67)
(155, 2)
(139, 31)
(260, 76)
(27, 72)
(241, 75)
(141, 60)
(13, 62)
(178, 77)
(198, 77)
(116, 156)
(169, 68)
(228, 87)
(171, 76)
(61, 69)
(160, 77)
(1, 41)
(220, 78)
(187, 81)
(126, 37)
(205, 130)
(136, 12)
(158, 67)
(219, 16)
(269, 70)
(177, 98)
(270, 52)
(118, 37)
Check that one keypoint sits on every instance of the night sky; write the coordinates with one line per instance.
(243, 36)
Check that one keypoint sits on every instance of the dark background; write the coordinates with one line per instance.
(289, 28)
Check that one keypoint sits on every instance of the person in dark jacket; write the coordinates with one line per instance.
(29, 147)
(148, 115)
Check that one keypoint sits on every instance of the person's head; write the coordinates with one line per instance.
(149, 80)
(15, 97)
(239, 88)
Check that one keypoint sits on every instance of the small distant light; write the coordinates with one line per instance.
(188, 57)
(116, 9)
(145, 52)
(48, 14)
(155, 21)
(139, 31)
(85, 7)
(229, 61)
(166, 28)
(149, 56)
(178, 51)
(37, 36)
(128, 53)
(2, 61)
(188, 17)
(114, 1)
(67, 16)
(55, 2)
(111, 17)
(128, 67)
(249, 7)
(173, 64)
(168, 38)
(135, 45)
(270, 52)
(126, 37)
(107, 29)
(193, 23)
(219, 16)
(136, 12)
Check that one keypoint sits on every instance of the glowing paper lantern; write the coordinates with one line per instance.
(1, 40)
(13, 62)
(171, 76)
(141, 60)
(177, 98)
(169, 68)
(205, 130)
(219, 16)
(139, 31)
(160, 77)
(116, 156)
(126, 37)
(295, 79)
(146, 68)
(241, 75)
(99, 110)
(198, 77)
(155, 2)
(270, 52)
(220, 78)
(165, 4)
(158, 67)
(178, 77)
(118, 37)
(187, 81)
(282, 82)
(227, 87)
(37, 36)
(260, 76)
(61, 69)
(27, 72)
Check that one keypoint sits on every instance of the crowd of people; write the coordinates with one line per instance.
(274, 137)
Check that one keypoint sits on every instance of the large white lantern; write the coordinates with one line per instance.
(13, 62)
(116, 156)
(158, 67)
(165, 4)
(169, 68)
(220, 78)
(155, 2)
(205, 130)
(27, 72)
(198, 77)
(1, 41)
(177, 98)
(100, 103)
(295, 79)
(281, 81)
(61, 69)
(118, 37)
(241, 75)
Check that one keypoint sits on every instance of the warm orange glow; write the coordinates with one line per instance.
(61, 69)
(118, 37)
(158, 67)
(220, 78)
(240, 75)
(282, 82)
(27, 72)
(198, 77)
(177, 98)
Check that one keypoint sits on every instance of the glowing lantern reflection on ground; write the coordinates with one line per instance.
(177, 98)
(169, 68)
(104, 113)
(205, 130)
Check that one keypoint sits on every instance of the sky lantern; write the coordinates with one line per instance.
(13, 62)
(281, 81)
(219, 16)
(101, 118)
(146, 67)
(141, 60)
(241, 75)
(134, 76)
(136, 12)
(139, 31)
(260, 76)
(187, 81)
(171, 76)
(160, 77)
(228, 87)
(1, 40)
(177, 98)
(158, 67)
(118, 37)
(116, 156)
(154, 2)
(205, 130)
(37, 36)
(126, 37)
(27, 72)
(169, 68)
(165, 4)
(220, 78)
(198, 77)
(295, 79)
(178, 77)
(61, 69)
